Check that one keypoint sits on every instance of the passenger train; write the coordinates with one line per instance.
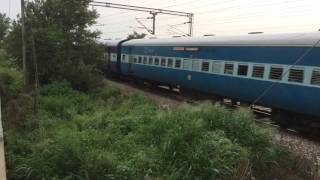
(279, 71)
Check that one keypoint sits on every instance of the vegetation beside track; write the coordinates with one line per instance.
(104, 134)
(84, 129)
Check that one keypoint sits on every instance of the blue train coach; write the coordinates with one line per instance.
(277, 71)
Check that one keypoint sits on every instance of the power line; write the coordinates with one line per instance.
(258, 16)
(232, 7)
(126, 12)
(255, 18)
(237, 8)
(170, 6)
(236, 18)
(253, 6)
(261, 29)
(107, 16)
(153, 11)
(204, 5)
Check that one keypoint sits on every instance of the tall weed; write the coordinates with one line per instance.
(103, 134)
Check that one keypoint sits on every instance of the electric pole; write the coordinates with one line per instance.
(153, 22)
(24, 44)
(191, 19)
(153, 11)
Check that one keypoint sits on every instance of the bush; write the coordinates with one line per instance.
(79, 136)
(10, 78)
(59, 100)
(81, 77)
(18, 111)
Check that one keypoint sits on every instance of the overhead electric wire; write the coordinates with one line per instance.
(121, 13)
(236, 7)
(251, 16)
(264, 29)
(203, 5)
(229, 8)
(230, 20)
(266, 12)
(258, 18)
(222, 2)
(160, 10)
(215, 10)
(216, 3)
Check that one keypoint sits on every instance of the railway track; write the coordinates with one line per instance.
(307, 146)
(263, 114)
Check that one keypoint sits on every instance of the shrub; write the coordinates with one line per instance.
(10, 78)
(17, 112)
(78, 137)
(81, 77)
(60, 100)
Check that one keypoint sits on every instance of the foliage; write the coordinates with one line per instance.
(4, 26)
(18, 106)
(63, 42)
(106, 135)
(136, 35)
(10, 77)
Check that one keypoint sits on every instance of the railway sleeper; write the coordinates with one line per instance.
(303, 124)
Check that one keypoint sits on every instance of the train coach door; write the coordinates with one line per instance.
(130, 70)
(108, 57)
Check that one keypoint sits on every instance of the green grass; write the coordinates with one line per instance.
(105, 135)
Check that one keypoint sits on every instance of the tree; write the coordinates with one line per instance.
(136, 35)
(63, 41)
(4, 26)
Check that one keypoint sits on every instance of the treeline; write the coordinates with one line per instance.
(59, 39)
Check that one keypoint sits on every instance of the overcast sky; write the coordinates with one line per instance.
(220, 17)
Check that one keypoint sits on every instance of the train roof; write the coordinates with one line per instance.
(112, 43)
(294, 39)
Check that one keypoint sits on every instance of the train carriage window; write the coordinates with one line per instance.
(205, 66)
(258, 71)
(242, 70)
(228, 68)
(276, 73)
(163, 61)
(296, 75)
(156, 61)
(139, 59)
(178, 63)
(114, 57)
(123, 58)
(135, 60)
(187, 64)
(130, 59)
(150, 60)
(106, 56)
(315, 79)
(216, 67)
(145, 60)
(196, 65)
(170, 62)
